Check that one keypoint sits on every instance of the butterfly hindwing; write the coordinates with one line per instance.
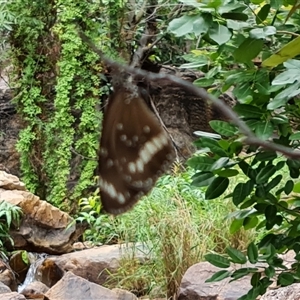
(134, 151)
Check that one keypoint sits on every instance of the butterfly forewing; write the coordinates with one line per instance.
(134, 152)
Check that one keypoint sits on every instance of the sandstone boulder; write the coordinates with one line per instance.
(76, 288)
(291, 292)
(12, 296)
(193, 285)
(93, 264)
(43, 227)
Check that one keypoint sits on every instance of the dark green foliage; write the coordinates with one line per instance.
(255, 54)
(57, 93)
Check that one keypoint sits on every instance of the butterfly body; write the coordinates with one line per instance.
(134, 151)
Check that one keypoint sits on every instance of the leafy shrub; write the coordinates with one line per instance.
(9, 215)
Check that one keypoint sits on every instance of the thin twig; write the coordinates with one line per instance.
(250, 139)
(166, 129)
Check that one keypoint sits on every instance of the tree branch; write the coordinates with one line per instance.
(250, 137)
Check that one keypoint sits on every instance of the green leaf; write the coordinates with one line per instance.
(213, 145)
(270, 213)
(183, 25)
(248, 50)
(248, 111)
(289, 186)
(236, 256)
(202, 24)
(204, 82)
(264, 129)
(273, 183)
(228, 173)
(285, 279)
(236, 225)
(202, 163)
(252, 253)
(220, 163)
(282, 98)
(25, 257)
(216, 188)
(217, 260)
(294, 136)
(242, 272)
(255, 280)
(287, 77)
(297, 187)
(241, 191)
(244, 92)
(250, 222)
(219, 33)
(265, 173)
(235, 25)
(247, 170)
(262, 33)
(262, 14)
(220, 275)
(202, 179)
(235, 16)
(270, 272)
(266, 156)
(223, 128)
(280, 165)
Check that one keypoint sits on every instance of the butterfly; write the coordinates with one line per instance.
(134, 150)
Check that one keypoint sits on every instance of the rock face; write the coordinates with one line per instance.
(193, 286)
(10, 126)
(43, 227)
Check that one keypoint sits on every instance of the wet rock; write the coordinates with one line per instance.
(49, 272)
(35, 288)
(19, 265)
(4, 288)
(76, 288)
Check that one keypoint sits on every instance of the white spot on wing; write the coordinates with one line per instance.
(109, 189)
(128, 143)
(147, 152)
(132, 167)
(123, 137)
(121, 198)
(146, 129)
(140, 165)
(119, 126)
(103, 152)
(109, 163)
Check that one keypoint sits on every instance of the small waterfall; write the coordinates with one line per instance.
(36, 259)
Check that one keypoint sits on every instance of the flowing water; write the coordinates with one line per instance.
(36, 259)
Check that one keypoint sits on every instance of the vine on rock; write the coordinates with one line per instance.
(57, 93)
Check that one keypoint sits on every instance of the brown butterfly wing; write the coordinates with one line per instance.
(134, 152)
